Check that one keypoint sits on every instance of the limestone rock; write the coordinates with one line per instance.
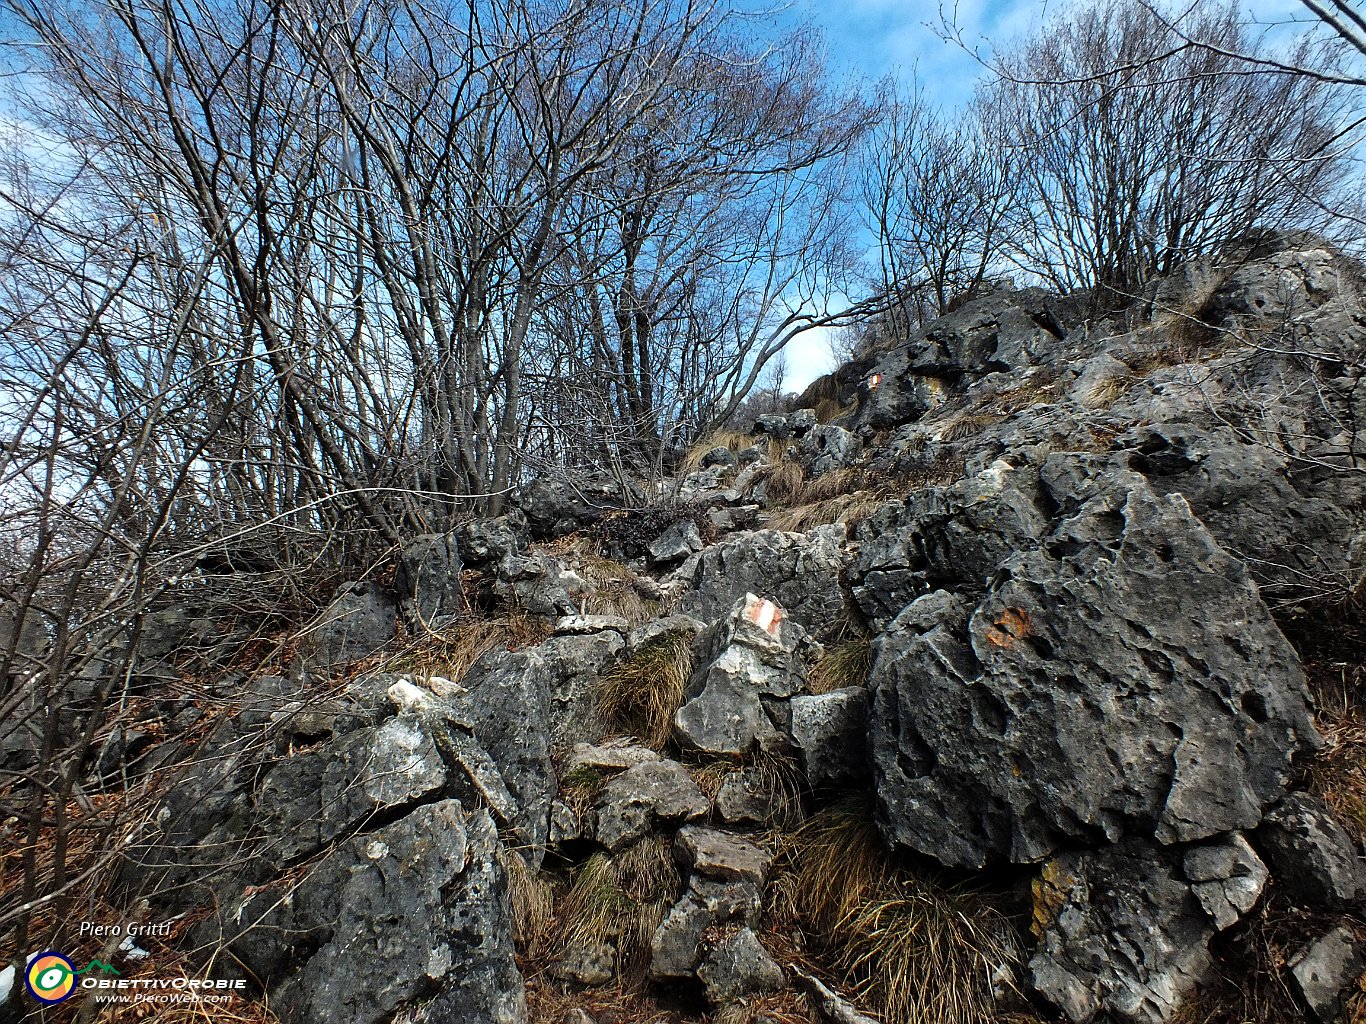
(359, 622)
(749, 796)
(490, 540)
(738, 965)
(1325, 969)
(631, 805)
(749, 667)
(428, 578)
(1227, 878)
(1119, 933)
(1121, 678)
(722, 855)
(801, 572)
(1310, 853)
(677, 944)
(830, 448)
(830, 732)
(676, 543)
(415, 910)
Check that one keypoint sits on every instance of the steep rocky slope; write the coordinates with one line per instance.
(973, 698)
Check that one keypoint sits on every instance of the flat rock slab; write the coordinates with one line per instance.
(641, 798)
(723, 855)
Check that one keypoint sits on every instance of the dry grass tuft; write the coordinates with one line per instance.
(828, 410)
(1033, 392)
(915, 948)
(615, 590)
(845, 663)
(834, 484)
(1109, 391)
(850, 509)
(449, 652)
(1337, 774)
(830, 866)
(778, 1008)
(783, 481)
(532, 898)
(618, 901)
(967, 425)
(642, 693)
(731, 440)
(928, 953)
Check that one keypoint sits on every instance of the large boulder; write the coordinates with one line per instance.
(1119, 933)
(414, 911)
(1120, 678)
(799, 571)
(751, 665)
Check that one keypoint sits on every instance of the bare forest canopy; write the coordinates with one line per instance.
(354, 269)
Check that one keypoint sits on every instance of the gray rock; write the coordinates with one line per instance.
(801, 572)
(612, 755)
(428, 578)
(773, 425)
(573, 665)
(719, 456)
(1309, 852)
(583, 625)
(1296, 531)
(644, 797)
(749, 667)
(1000, 332)
(359, 622)
(643, 634)
(748, 796)
(578, 1017)
(1120, 935)
(1123, 678)
(706, 486)
(313, 798)
(540, 585)
(416, 910)
(830, 732)
(738, 965)
(676, 543)
(507, 708)
(830, 448)
(951, 538)
(1227, 878)
(491, 540)
(555, 506)
(586, 963)
(722, 855)
(1325, 969)
(676, 946)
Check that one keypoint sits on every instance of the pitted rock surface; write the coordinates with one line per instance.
(1122, 678)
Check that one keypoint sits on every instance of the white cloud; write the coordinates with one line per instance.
(809, 355)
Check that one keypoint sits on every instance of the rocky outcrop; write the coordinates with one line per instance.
(801, 572)
(1119, 932)
(1118, 677)
(1081, 533)
(751, 665)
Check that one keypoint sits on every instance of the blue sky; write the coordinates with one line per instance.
(870, 39)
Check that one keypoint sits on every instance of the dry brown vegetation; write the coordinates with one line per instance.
(916, 948)
(642, 693)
